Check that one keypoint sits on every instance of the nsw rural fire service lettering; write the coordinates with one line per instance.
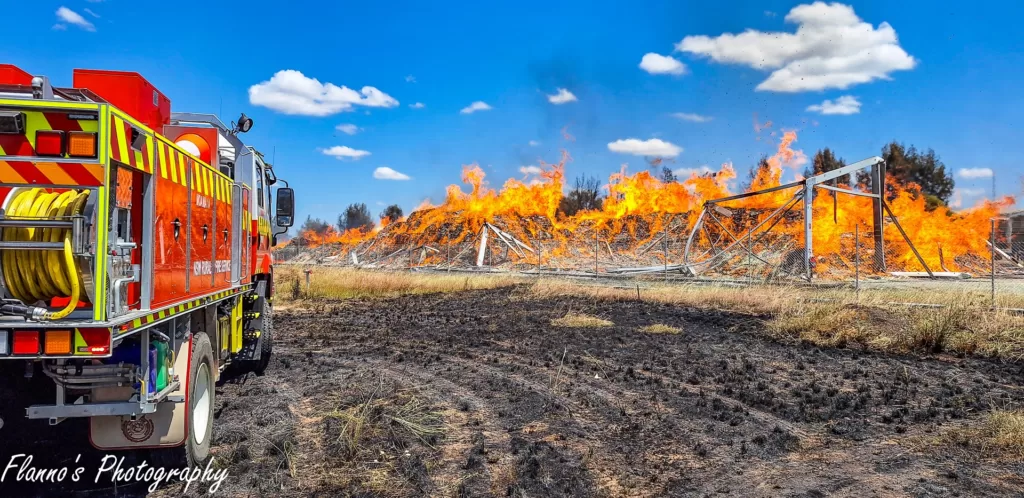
(207, 267)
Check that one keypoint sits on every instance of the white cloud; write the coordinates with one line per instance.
(476, 106)
(91, 13)
(291, 92)
(689, 116)
(530, 170)
(847, 104)
(69, 16)
(533, 143)
(973, 173)
(60, 27)
(661, 64)
(348, 128)
(410, 79)
(769, 13)
(562, 96)
(960, 193)
(345, 152)
(831, 48)
(386, 173)
(684, 173)
(652, 147)
(418, 105)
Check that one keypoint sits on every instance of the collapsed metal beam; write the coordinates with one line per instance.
(751, 194)
(774, 215)
(483, 247)
(906, 238)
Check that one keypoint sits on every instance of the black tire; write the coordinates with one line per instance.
(197, 446)
(195, 452)
(266, 339)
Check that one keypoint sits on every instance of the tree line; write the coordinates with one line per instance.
(905, 164)
(355, 216)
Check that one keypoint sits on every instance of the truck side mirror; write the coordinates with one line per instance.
(285, 215)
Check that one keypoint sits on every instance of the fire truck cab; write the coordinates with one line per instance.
(135, 262)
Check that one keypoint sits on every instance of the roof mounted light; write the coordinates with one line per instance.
(244, 124)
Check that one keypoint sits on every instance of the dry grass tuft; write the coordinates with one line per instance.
(660, 328)
(580, 320)
(824, 324)
(825, 317)
(343, 283)
(503, 479)
(998, 437)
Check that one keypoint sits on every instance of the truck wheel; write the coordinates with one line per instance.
(200, 402)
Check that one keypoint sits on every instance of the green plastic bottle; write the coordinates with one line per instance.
(161, 365)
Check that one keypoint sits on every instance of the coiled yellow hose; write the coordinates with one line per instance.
(33, 275)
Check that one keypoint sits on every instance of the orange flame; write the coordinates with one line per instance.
(639, 206)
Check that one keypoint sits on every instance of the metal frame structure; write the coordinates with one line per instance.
(880, 209)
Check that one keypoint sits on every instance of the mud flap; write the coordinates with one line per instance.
(167, 427)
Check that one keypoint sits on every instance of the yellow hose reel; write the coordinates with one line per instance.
(35, 275)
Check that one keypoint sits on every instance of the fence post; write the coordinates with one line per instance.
(856, 264)
(596, 249)
(664, 248)
(992, 252)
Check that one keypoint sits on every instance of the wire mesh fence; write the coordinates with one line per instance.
(854, 245)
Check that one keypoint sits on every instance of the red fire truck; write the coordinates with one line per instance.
(135, 263)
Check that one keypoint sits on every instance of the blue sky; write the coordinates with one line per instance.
(940, 76)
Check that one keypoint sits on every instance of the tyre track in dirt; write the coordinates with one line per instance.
(718, 408)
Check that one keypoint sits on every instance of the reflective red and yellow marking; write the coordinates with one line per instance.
(30, 172)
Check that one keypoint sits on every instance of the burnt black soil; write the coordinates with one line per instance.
(530, 409)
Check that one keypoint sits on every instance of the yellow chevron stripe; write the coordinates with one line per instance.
(182, 169)
(122, 141)
(92, 125)
(162, 153)
(35, 122)
(148, 167)
(172, 165)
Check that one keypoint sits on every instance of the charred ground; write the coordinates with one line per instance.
(478, 393)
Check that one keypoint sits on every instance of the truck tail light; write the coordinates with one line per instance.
(5, 347)
(26, 342)
(50, 143)
(82, 144)
(96, 342)
(57, 342)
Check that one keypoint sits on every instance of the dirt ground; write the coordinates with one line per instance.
(477, 394)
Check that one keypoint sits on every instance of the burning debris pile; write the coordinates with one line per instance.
(646, 225)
